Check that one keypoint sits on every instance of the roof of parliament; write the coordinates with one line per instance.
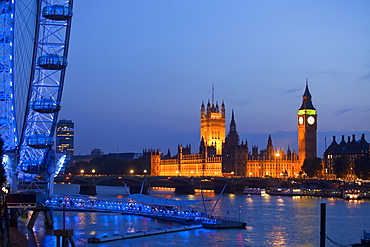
(350, 147)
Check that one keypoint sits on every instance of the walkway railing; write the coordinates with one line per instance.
(120, 206)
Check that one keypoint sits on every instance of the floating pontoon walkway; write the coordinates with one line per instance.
(108, 238)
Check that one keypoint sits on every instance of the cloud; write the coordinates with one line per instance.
(289, 91)
(342, 111)
(329, 73)
(365, 77)
(239, 102)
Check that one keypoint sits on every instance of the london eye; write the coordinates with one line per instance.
(34, 40)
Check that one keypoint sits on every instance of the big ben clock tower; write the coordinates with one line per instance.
(307, 128)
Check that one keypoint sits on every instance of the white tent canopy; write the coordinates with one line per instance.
(161, 201)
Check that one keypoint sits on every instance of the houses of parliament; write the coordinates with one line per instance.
(225, 155)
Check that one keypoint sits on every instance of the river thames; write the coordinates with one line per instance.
(271, 221)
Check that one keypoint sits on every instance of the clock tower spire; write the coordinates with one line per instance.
(307, 127)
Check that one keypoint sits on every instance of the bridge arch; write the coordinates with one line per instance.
(72, 179)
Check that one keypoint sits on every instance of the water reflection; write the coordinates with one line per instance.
(240, 238)
(93, 218)
(354, 203)
(279, 199)
(249, 199)
(232, 197)
(271, 221)
(266, 198)
(277, 236)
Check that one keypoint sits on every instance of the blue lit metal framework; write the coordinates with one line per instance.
(30, 135)
(7, 113)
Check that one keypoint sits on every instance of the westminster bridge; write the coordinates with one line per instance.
(182, 185)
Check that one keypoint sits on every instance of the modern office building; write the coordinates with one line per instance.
(65, 137)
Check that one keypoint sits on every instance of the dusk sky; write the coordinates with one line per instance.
(139, 70)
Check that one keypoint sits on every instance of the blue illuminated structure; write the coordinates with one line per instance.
(45, 105)
(34, 40)
(181, 211)
(7, 111)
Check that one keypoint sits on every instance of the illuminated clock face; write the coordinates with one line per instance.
(300, 120)
(310, 120)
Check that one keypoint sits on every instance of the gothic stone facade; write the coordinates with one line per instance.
(221, 155)
(354, 149)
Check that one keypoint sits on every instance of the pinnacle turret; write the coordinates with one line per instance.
(232, 123)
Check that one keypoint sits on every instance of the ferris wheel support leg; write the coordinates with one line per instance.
(51, 185)
(46, 212)
(13, 183)
(13, 218)
(13, 177)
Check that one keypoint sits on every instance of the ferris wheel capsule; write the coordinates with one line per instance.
(4, 68)
(45, 105)
(39, 141)
(5, 39)
(57, 12)
(5, 9)
(52, 61)
(33, 167)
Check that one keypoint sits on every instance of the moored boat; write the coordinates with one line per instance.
(254, 191)
(365, 238)
(218, 223)
(211, 222)
(351, 195)
(278, 191)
